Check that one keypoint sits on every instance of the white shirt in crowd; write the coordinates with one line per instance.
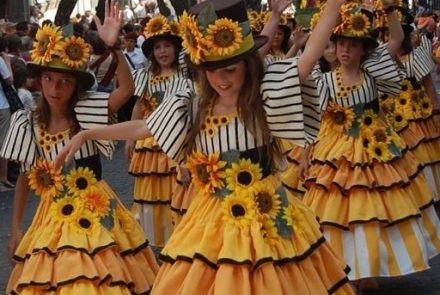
(5, 73)
(135, 59)
(27, 99)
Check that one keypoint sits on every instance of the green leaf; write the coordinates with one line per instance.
(245, 29)
(230, 157)
(206, 16)
(158, 95)
(394, 150)
(67, 30)
(222, 193)
(108, 221)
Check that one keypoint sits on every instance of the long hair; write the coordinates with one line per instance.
(155, 67)
(249, 99)
(407, 46)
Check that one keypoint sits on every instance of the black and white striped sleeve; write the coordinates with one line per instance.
(422, 62)
(170, 123)
(19, 144)
(312, 110)
(140, 79)
(93, 112)
(282, 102)
(381, 66)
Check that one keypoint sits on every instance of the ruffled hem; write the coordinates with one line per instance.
(361, 205)
(149, 159)
(321, 272)
(183, 197)
(290, 177)
(154, 189)
(81, 286)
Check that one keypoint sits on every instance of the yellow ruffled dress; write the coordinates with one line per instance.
(366, 187)
(243, 233)
(82, 240)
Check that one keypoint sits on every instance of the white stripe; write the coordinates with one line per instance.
(363, 257)
(400, 251)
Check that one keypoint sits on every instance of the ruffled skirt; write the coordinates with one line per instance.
(290, 177)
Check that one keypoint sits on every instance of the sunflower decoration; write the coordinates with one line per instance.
(238, 209)
(426, 107)
(397, 119)
(207, 171)
(295, 218)
(65, 209)
(314, 20)
(46, 44)
(80, 179)
(254, 21)
(45, 180)
(379, 151)
(224, 37)
(380, 134)
(243, 175)
(157, 25)
(359, 24)
(123, 220)
(269, 230)
(74, 52)
(406, 85)
(174, 28)
(267, 200)
(96, 201)
(340, 115)
(85, 222)
(368, 119)
(193, 41)
(387, 105)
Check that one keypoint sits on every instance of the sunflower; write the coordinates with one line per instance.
(359, 24)
(314, 20)
(406, 110)
(45, 180)
(267, 201)
(156, 26)
(387, 105)
(426, 107)
(295, 218)
(238, 209)
(174, 28)
(65, 209)
(380, 135)
(397, 120)
(243, 175)
(207, 171)
(340, 115)
(47, 44)
(75, 52)
(404, 98)
(123, 220)
(80, 179)
(368, 119)
(85, 222)
(96, 201)
(192, 38)
(379, 151)
(406, 85)
(269, 230)
(224, 37)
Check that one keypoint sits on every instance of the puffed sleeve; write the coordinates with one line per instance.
(381, 66)
(93, 112)
(171, 121)
(140, 79)
(281, 94)
(422, 62)
(312, 108)
(182, 64)
(20, 144)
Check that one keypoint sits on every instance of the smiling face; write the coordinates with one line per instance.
(57, 88)
(164, 52)
(349, 51)
(278, 38)
(227, 81)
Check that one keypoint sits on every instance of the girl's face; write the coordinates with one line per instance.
(349, 51)
(277, 38)
(227, 81)
(330, 52)
(57, 88)
(164, 53)
(129, 44)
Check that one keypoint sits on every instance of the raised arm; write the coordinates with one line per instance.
(109, 33)
(396, 33)
(318, 39)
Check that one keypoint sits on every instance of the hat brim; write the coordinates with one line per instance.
(369, 41)
(147, 46)
(85, 80)
(211, 65)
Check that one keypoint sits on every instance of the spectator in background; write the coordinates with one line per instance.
(134, 55)
(128, 14)
(21, 82)
(426, 23)
(36, 14)
(14, 52)
(22, 29)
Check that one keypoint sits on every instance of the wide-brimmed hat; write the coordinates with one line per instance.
(356, 23)
(53, 51)
(217, 34)
(158, 27)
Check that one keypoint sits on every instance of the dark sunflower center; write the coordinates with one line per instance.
(264, 202)
(74, 52)
(358, 23)
(223, 38)
(399, 118)
(368, 121)
(81, 183)
(425, 105)
(238, 210)
(67, 209)
(156, 27)
(365, 142)
(404, 88)
(244, 177)
(402, 101)
(378, 152)
(339, 117)
(202, 173)
(45, 179)
(42, 45)
(191, 39)
(85, 223)
(380, 136)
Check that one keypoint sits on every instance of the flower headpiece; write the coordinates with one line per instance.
(55, 49)
(217, 33)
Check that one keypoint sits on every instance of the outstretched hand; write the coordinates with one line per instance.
(109, 30)
(68, 151)
(300, 37)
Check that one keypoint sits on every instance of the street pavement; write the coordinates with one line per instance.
(115, 172)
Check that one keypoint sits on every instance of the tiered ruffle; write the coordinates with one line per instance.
(182, 198)
(54, 258)
(238, 260)
(290, 177)
(370, 209)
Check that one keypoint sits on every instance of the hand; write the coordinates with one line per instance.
(109, 30)
(300, 37)
(303, 172)
(278, 6)
(14, 240)
(185, 176)
(68, 151)
(388, 3)
(128, 149)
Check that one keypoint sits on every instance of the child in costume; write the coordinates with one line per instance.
(82, 240)
(242, 234)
